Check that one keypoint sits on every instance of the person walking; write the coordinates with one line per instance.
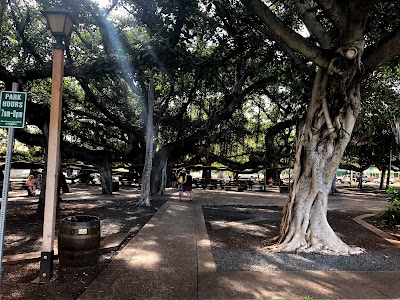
(30, 185)
(181, 183)
(38, 181)
(188, 186)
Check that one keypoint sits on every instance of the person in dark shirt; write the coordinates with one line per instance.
(188, 183)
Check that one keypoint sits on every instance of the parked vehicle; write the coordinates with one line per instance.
(340, 178)
(378, 180)
(365, 178)
(248, 176)
(345, 179)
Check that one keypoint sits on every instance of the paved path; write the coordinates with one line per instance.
(170, 258)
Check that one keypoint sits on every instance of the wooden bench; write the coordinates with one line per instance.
(239, 186)
(17, 185)
(128, 181)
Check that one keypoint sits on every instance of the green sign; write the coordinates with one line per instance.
(12, 109)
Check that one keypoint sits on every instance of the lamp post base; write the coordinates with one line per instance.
(46, 266)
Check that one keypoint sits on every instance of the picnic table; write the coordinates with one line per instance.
(238, 185)
(210, 184)
(84, 177)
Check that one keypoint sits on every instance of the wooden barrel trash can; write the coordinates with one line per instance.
(284, 189)
(79, 241)
(115, 186)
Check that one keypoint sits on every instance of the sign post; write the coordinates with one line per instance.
(12, 115)
(12, 109)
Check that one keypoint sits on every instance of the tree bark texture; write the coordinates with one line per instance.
(331, 116)
(159, 161)
(334, 189)
(104, 166)
(146, 179)
(163, 179)
(381, 182)
(396, 132)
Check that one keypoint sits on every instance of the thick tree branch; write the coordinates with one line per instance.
(94, 100)
(180, 21)
(5, 75)
(188, 144)
(98, 120)
(297, 60)
(290, 37)
(30, 139)
(334, 13)
(382, 52)
(259, 84)
(70, 151)
(91, 70)
(20, 28)
(315, 27)
(235, 166)
(355, 168)
(101, 143)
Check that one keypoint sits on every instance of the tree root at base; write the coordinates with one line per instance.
(344, 249)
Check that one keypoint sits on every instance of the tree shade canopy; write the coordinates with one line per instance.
(248, 84)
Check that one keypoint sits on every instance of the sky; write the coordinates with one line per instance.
(103, 3)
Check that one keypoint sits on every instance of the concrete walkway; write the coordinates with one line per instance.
(170, 258)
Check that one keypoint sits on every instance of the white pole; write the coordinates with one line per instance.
(52, 168)
(6, 183)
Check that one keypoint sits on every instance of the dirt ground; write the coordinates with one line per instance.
(24, 232)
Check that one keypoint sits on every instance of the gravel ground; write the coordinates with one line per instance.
(252, 255)
(231, 260)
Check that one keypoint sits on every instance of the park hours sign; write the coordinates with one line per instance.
(12, 109)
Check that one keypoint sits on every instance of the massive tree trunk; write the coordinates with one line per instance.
(163, 179)
(381, 182)
(104, 166)
(330, 120)
(159, 161)
(343, 62)
(334, 189)
(207, 173)
(396, 132)
(146, 179)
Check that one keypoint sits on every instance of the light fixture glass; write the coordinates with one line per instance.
(60, 21)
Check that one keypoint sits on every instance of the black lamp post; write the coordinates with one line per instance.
(60, 23)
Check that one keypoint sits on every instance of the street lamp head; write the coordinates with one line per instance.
(60, 22)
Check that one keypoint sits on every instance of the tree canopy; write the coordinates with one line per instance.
(232, 81)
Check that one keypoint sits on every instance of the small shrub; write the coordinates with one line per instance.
(394, 197)
(391, 216)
